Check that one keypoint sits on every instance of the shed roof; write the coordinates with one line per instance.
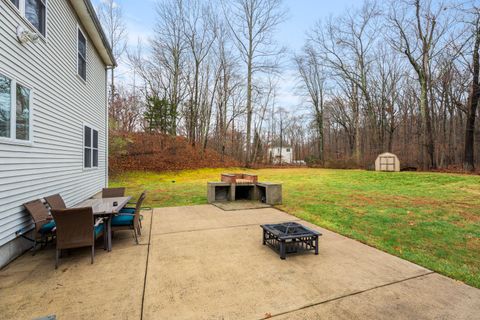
(388, 154)
(88, 18)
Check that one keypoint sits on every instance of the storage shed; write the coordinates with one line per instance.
(387, 162)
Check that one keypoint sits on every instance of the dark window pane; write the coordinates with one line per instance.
(95, 158)
(5, 106)
(23, 113)
(95, 138)
(88, 137)
(15, 2)
(82, 55)
(35, 13)
(82, 68)
(82, 44)
(87, 158)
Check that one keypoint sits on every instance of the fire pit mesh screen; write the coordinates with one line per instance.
(290, 229)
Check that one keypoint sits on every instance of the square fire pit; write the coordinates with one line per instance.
(290, 237)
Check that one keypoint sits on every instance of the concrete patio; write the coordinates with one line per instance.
(205, 263)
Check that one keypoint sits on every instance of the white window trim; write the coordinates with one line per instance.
(13, 113)
(20, 11)
(86, 55)
(86, 124)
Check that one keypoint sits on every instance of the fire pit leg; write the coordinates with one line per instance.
(316, 245)
(282, 249)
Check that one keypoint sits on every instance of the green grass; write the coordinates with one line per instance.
(430, 219)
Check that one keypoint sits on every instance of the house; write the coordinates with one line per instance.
(281, 155)
(54, 58)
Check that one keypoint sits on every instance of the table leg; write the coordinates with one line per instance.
(105, 235)
(316, 245)
(264, 237)
(282, 250)
(109, 227)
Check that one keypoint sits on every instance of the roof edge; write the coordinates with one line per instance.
(89, 19)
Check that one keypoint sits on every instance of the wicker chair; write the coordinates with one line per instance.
(44, 225)
(75, 229)
(113, 192)
(131, 210)
(55, 202)
(129, 220)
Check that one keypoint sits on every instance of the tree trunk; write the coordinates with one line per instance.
(469, 159)
(249, 111)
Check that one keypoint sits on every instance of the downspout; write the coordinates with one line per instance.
(106, 126)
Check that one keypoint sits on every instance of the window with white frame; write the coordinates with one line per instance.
(34, 11)
(82, 55)
(15, 110)
(90, 149)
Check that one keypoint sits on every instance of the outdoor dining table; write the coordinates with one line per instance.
(105, 208)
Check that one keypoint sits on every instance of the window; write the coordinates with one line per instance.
(15, 110)
(82, 55)
(22, 113)
(288, 149)
(90, 153)
(34, 11)
(5, 106)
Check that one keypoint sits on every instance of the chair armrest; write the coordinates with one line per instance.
(125, 214)
(97, 223)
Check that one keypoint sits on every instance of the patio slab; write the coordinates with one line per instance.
(111, 288)
(204, 217)
(201, 262)
(432, 296)
(224, 272)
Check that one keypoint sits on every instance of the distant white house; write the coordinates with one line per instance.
(281, 155)
(54, 58)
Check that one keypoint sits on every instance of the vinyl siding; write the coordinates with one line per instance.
(62, 103)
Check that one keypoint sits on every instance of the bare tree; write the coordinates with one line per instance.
(419, 32)
(252, 23)
(166, 66)
(113, 22)
(474, 98)
(313, 81)
(199, 29)
(345, 45)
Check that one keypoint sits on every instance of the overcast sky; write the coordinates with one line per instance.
(302, 15)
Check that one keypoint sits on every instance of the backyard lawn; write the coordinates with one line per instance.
(430, 219)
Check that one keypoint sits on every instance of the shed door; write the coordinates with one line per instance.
(387, 163)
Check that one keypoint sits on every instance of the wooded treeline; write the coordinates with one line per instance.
(401, 77)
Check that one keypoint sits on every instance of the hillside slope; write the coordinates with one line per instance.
(157, 152)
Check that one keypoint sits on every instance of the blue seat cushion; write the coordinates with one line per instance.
(98, 229)
(128, 210)
(122, 220)
(47, 227)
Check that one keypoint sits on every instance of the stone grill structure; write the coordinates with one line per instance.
(243, 186)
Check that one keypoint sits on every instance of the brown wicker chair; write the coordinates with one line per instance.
(132, 210)
(75, 229)
(55, 202)
(129, 220)
(44, 224)
(113, 192)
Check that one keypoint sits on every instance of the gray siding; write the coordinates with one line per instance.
(62, 102)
